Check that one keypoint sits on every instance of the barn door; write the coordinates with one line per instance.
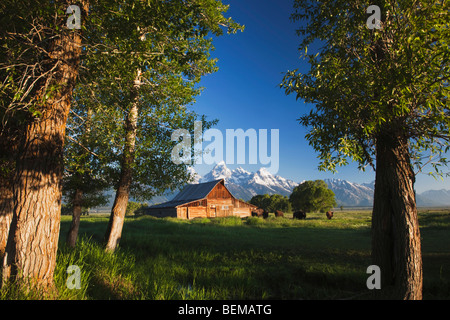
(212, 211)
(223, 211)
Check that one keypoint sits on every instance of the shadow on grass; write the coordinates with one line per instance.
(228, 259)
(239, 259)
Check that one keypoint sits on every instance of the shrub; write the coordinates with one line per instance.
(253, 221)
(135, 208)
(228, 221)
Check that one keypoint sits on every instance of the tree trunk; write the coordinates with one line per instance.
(396, 246)
(33, 240)
(76, 215)
(116, 220)
(7, 165)
(6, 210)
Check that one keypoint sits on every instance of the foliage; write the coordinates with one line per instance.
(369, 83)
(168, 43)
(381, 99)
(26, 28)
(86, 158)
(272, 202)
(312, 196)
(135, 208)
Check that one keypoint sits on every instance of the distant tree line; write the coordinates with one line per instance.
(272, 202)
(310, 196)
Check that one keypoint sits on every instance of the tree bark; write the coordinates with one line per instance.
(396, 244)
(116, 220)
(30, 256)
(6, 209)
(76, 215)
(8, 149)
(7, 165)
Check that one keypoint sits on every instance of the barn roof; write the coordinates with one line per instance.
(190, 193)
(194, 192)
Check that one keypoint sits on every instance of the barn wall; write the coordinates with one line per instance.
(182, 212)
(226, 208)
(210, 211)
(196, 212)
(243, 209)
(242, 212)
(219, 192)
(221, 207)
(218, 203)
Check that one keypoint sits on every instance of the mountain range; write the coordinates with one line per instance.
(244, 185)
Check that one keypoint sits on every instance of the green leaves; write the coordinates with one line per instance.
(170, 43)
(368, 83)
(312, 196)
(272, 202)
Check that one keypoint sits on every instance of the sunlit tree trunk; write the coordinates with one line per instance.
(396, 245)
(6, 210)
(8, 150)
(33, 239)
(6, 196)
(76, 216)
(116, 220)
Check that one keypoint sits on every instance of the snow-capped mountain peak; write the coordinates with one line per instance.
(244, 184)
(264, 172)
(350, 193)
(241, 171)
(220, 171)
(239, 175)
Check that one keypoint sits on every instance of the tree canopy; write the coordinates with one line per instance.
(370, 82)
(311, 196)
(169, 44)
(380, 98)
(271, 202)
(132, 66)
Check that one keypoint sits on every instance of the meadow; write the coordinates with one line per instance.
(233, 258)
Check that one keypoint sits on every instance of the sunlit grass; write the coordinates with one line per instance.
(233, 258)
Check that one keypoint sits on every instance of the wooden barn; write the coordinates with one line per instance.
(205, 200)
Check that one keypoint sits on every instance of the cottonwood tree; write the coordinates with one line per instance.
(271, 202)
(142, 165)
(165, 53)
(380, 98)
(40, 59)
(312, 196)
(139, 80)
(39, 62)
(151, 171)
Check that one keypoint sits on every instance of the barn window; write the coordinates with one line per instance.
(224, 207)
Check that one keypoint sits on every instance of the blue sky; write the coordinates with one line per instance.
(245, 92)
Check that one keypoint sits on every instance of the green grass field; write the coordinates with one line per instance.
(232, 258)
